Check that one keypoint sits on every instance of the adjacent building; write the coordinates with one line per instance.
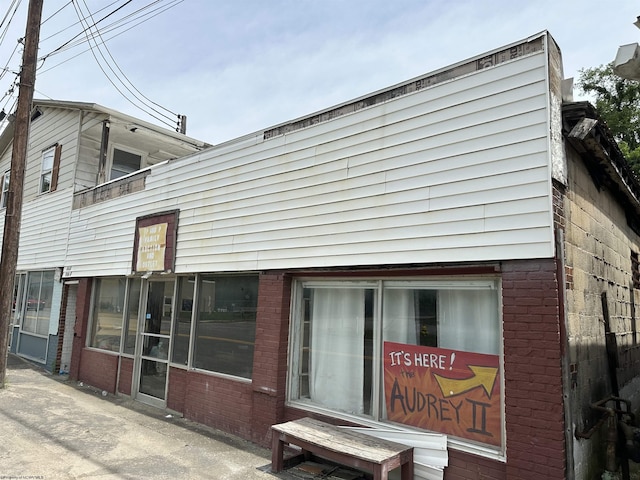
(438, 257)
(72, 147)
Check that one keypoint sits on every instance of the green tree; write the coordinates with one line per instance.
(617, 100)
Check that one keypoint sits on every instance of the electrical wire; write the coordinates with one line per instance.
(96, 36)
(56, 12)
(3, 34)
(96, 47)
(74, 42)
(84, 31)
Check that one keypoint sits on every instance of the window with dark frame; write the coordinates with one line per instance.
(635, 269)
(123, 163)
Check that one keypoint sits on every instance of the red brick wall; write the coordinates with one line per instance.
(80, 328)
(463, 466)
(219, 402)
(99, 370)
(270, 355)
(61, 328)
(178, 379)
(126, 375)
(533, 372)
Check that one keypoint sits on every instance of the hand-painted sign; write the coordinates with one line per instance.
(447, 391)
(152, 242)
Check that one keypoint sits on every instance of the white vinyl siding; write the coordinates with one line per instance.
(459, 171)
(44, 230)
(56, 126)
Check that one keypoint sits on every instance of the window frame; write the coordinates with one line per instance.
(296, 333)
(6, 185)
(195, 324)
(39, 302)
(54, 152)
(132, 151)
(95, 299)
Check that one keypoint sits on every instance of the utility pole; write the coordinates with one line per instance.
(13, 212)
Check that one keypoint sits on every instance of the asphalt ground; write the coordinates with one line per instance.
(52, 428)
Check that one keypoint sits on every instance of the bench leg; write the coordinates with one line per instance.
(406, 471)
(377, 473)
(277, 453)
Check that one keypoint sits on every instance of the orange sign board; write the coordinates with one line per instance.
(447, 391)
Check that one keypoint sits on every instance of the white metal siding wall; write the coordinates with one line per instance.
(59, 126)
(44, 230)
(458, 171)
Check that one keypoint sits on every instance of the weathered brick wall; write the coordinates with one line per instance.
(270, 356)
(177, 389)
(99, 370)
(83, 302)
(126, 375)
(597, 247)
(463, 466)
(219, 402)
(61, 328)
(533, 371)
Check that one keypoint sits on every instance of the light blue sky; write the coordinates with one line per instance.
(235, 67)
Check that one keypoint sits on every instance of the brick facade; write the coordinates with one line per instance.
(270, 357)
(535, 440)
(533, 371)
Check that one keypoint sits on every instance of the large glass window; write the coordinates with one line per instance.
(37, 304)
(131, 318)
(421, 353)
(108, 303)
(226, 324)
(182, 320)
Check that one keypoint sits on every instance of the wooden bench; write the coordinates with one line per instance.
(342, 446)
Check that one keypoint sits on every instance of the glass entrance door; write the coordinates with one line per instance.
(155, 334)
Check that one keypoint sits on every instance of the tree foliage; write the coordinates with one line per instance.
(618, 103)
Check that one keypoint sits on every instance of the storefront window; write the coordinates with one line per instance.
(182, 320)
(131, 319)
(226, 324)
(107, 313)
(419, 353)
(38, 302)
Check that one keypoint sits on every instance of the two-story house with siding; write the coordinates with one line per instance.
(455, 256)
(72, 146)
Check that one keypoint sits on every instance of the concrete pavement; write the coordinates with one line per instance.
(51, 428)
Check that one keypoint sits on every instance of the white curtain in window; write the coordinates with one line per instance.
(468, 320)
(337, 349)
(399, 316)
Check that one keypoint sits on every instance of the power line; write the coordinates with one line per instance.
(74, 42)
(96, 46)
(84, 31)
(8, 22)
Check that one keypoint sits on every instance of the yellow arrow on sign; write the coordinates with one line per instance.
(482, 376)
